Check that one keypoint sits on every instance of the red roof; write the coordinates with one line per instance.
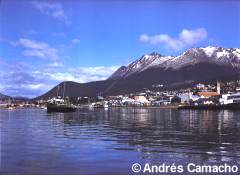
(208, 94)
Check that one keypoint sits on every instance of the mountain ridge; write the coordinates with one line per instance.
(191, 56)
(196, 65)
(4, 97)
(7, 97)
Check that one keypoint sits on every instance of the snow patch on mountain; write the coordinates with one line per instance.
(222, 54)
(215, 55)
(145, 62)
(209, 50)
(236, 52)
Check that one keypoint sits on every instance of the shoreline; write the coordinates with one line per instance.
(235, 106)
(179, 107)
(137, 107)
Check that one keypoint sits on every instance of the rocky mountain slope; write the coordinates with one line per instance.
(196, 65)
(4, 97)
(211, 55)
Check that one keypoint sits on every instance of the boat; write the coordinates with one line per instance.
(102, 104)
(60, 104)
(43, 107)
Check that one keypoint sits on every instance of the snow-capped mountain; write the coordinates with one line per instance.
(196, 65)
(193, 56)
(145, 62)
(215, 55)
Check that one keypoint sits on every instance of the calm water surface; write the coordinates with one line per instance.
(34, 142)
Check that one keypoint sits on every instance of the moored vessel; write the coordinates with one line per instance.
(60, 105)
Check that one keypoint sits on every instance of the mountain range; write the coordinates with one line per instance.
(158, 72)
(193, 56)
(15, 98)
(4, 97)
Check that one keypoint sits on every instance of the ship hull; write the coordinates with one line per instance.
(60, 108)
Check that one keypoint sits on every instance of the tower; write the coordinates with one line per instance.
(218, 87)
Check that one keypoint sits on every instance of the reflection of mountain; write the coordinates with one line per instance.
(155, 131)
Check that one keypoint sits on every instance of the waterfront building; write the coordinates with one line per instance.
(208, 94)
(200, 86)
(141, 100)
(160, 102)
(127, 101)
(230, 98)
(218, 87)
(187, 97)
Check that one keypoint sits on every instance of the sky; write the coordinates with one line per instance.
(43, 43)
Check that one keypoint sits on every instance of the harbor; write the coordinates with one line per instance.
(65, 143)
(117, 87)
(218, 96)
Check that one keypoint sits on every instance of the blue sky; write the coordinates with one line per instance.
(46, 42)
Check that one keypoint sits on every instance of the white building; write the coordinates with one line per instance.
(141, 99)
(200, 86)
(218, 87)
(127, 100)
(187, 97)
(230, 98)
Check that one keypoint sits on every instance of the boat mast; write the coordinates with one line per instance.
(63, 90)
(57, 91)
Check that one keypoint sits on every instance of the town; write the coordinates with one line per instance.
(219, 93)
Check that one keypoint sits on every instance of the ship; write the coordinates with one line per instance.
(60, 104)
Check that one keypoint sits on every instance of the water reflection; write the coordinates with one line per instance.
(72, 141)
(207, 133)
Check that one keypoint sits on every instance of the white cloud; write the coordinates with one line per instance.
(75, 41)
(32, 44)
(56, 64)
(22, 79)
(38, 49)
(191, 37)
(81, 74)
(35, 86)
(86, 74)
(53, 9)
(186, 38)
